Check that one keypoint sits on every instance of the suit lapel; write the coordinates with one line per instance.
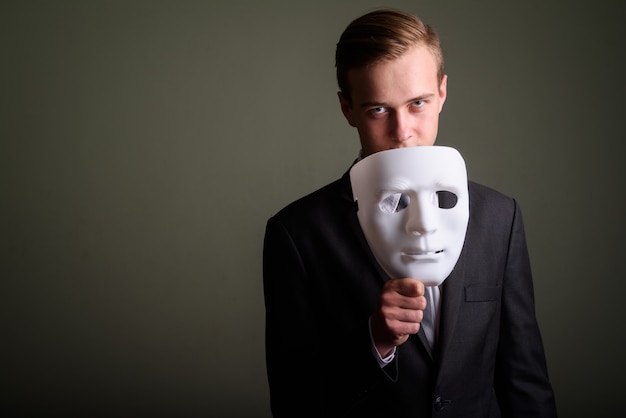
(452, 297)
(425, 344)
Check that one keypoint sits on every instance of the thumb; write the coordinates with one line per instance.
(408, 287)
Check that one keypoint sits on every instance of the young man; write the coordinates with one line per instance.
(342, 339)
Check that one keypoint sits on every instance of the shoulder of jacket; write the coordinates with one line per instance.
(326, 196)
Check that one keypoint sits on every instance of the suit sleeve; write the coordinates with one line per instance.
(318, 362)
(521, 382)
(292, 349)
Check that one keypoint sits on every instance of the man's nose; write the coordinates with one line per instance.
(422, 217)
(400, 126)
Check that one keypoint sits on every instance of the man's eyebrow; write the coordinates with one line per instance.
(373, 104)
(383, 104)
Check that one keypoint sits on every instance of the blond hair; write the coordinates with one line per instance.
(380, 36)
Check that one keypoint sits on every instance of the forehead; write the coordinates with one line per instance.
(411, 75)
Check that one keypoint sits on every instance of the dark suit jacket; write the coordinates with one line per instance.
(321, 284)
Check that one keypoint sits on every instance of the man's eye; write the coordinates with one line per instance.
(446, 199)
(419, 103)
(394, 203)
(378, 110)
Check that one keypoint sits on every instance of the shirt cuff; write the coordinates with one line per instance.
(382, 362)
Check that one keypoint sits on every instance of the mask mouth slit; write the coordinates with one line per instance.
(416, 253)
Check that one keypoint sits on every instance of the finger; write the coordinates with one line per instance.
(407, 325)
(411, 316)
(392, 303)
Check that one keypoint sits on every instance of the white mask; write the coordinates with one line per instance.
(413, 207)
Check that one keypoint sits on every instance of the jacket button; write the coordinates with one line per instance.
(439, 403)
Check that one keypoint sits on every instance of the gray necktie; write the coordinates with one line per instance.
(428, 322)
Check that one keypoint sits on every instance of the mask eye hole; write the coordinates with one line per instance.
(394, 203)
(446, 199)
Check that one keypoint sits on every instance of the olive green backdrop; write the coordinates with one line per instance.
(145, 143)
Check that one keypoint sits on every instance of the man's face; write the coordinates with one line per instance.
(395, 104)
(413, 207)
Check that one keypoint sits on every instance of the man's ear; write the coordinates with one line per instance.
(443, 91)
(346, 108)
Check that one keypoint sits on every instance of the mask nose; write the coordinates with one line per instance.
(422, 216)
